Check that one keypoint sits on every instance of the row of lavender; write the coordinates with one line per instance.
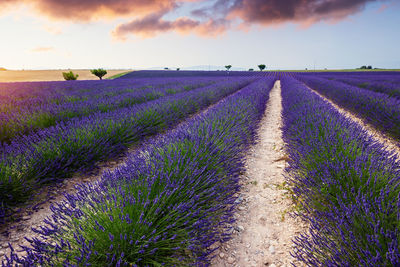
(378, 109)
(387, 83)
(346, 184)
(167, 205)
(46, 104)
(59, 151)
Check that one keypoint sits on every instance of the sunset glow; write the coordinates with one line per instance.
(50, 34)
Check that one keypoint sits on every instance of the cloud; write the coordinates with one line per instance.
(154, 24)
(267, 12)
(42, 49)
(52, 30)
(87, 10)
(147, 17)
(223, 14)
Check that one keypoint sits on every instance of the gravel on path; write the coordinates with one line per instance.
(263, 232)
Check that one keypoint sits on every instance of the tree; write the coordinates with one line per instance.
(178, 69)
(99, 73)
(261, 67)
(166, 68)
(369, 67)
(251, 69)
(70, 76)
(228, 67)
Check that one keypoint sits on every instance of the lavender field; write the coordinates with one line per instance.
(182, 141)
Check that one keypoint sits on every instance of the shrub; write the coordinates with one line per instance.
(70, 76)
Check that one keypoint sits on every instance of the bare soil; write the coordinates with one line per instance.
(49, 75)
(263, 232)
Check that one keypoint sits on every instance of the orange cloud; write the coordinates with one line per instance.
(154, 24)
(147, 16)
(41, 49)
(87, 10)
(52, 30)
(222, 14)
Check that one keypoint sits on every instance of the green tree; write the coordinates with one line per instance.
(70, 76)
(99, 73)
(261, 67)
(228, 67)
(251, 69)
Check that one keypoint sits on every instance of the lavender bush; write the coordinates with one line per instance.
(388, 84)
(378, 109)
(76, 145)
(346, 185)
(167, 205)
(22, 111)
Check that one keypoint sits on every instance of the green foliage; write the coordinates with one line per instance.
(228, 67)
(262, 67)
(118, 75)
(251, 69)
(363, 85)
(70, 76)
(99, 73)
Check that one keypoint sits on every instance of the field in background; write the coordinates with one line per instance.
(49, 75)
(162, 178)
(338, 70)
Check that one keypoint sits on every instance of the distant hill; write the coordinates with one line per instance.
(181, 73)
(206, 67)
(200, 67)
(2, 69)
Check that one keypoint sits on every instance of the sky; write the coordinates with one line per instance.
(140, 34)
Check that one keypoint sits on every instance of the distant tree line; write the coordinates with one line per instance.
(365, 68)
(261, 67)
(70, 76)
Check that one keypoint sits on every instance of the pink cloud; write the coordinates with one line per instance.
(147, 16)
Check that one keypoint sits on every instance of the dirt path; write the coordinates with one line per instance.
(390, 144)
(264, 229)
